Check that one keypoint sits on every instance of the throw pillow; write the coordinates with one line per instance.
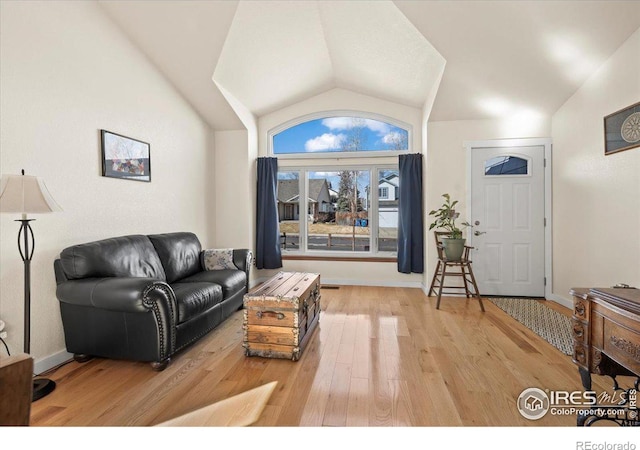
(218, 259)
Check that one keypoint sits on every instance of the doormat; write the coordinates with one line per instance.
(550, 325)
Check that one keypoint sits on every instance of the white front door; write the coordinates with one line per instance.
(507, 214)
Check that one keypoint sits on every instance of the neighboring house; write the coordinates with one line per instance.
(289, 199)
(388, 201)
(506, 165)
(334, 198)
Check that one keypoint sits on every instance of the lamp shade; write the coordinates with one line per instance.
(25, 194)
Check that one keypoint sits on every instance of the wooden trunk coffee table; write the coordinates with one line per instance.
(281, 314)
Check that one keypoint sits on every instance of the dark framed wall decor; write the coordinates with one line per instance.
(125, 157)
(622, 129)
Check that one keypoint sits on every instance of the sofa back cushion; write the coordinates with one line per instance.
(125, 256)
(179, 253)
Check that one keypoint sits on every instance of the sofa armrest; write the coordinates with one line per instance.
(149, 299)
(117, 294)
(242, 258)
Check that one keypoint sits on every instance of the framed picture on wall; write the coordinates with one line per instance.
(125, 157)
(622, 130)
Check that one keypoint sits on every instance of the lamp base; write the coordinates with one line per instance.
(42, 387)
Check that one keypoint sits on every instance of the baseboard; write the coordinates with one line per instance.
(560, 300)
(51, 361)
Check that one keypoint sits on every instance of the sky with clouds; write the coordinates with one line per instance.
(332, 135)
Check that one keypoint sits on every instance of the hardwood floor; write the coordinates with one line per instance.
(380, 357)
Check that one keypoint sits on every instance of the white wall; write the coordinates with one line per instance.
(67, 72)
(235, 191)
(235, 178)
(596, 198)
(446, 166)
(372, 273)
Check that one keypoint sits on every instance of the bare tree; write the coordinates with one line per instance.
(397, 141)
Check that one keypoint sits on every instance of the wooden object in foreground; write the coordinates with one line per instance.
(606, 332)
(16, 389)
(281, 315)
(238, 411)
(606, 341)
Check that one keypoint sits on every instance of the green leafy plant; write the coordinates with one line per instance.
(445, 218)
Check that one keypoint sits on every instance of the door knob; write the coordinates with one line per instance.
(478, 233)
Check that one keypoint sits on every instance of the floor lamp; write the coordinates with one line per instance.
(26, 194)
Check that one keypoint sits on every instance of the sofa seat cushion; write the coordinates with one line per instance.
(195, 298)
(231, 280)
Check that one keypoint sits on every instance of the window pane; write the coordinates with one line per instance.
(340, 134)
(506, 165)
(388, 184)
(289, 209)
(337, 209)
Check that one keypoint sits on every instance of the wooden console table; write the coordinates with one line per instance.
(606, 335)
(16, 389)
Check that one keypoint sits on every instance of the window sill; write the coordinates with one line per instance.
(386, 259)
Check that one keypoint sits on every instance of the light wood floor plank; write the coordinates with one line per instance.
(335, 414)
(358, 403)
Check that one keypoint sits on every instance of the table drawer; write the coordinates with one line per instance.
(580, 355)
(581, 309)
(580, 331)
(622, 345)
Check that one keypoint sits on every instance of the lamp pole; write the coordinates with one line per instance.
(26, 254)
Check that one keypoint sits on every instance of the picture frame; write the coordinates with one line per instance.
(622, 130)
(124, 157)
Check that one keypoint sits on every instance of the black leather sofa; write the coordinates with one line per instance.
(144, 298)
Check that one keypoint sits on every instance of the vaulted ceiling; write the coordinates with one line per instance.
(500, 58)
(279, 52)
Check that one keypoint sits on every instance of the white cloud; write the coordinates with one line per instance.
(327, 141)
(324, 174)
(347, 123)
(392, 138)
(377, 126)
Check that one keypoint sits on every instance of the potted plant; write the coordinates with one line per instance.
(445, 218)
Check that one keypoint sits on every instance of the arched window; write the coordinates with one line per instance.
(348, 203)
(340, 132)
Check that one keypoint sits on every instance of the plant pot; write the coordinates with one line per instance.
(453, 248)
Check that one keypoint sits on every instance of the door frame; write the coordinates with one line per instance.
(548, 247)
